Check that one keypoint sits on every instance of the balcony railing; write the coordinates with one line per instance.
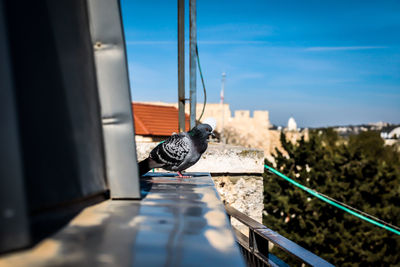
(255, 246)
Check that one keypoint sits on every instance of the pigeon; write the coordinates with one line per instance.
(179, 151)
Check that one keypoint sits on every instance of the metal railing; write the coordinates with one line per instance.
(255, 246)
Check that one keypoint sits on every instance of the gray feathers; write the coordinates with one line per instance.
(178, 152)
(173, 151)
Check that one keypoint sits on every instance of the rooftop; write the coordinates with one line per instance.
(156, 120)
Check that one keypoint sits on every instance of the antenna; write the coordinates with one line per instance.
(222, 106)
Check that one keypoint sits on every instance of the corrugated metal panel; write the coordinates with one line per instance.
(112, 78)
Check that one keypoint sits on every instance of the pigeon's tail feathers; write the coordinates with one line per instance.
(146, 165)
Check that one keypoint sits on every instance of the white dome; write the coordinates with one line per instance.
(292, 125)
(395, 133)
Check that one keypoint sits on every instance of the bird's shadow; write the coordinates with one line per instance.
(146, 181)
(145, 186)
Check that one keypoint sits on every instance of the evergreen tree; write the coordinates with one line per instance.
(359, 171)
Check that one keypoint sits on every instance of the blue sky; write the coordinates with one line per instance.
(323, 62)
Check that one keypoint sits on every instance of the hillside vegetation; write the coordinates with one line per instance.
(359, 171)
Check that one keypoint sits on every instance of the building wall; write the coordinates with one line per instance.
(222, 113)
(242, 128)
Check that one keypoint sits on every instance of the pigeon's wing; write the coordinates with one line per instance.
(173, 151)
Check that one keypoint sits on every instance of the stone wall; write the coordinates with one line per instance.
(219, 158)
(244, 193)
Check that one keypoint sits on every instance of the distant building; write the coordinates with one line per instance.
(155, 123)
(292, 125)
(223, 112)
(391, 134)
(385, 135)
(250, 131)
(395, 133)
(378, 125)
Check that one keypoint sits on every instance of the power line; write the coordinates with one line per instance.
(202, 81)
(362, 212)
(335, 203)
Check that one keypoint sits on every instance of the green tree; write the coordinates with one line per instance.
(359, 171)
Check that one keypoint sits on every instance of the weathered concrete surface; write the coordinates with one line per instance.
(244, 193)
(219, 158)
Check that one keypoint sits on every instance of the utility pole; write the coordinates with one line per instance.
(181, 65)
(192, 61)
(222, 107)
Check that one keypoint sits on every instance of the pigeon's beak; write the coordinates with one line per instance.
(212, 134)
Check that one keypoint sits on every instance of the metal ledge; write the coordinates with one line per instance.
(179, 222)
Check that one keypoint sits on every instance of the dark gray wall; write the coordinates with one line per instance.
(56, 141)
(57, 99)
(13, 215)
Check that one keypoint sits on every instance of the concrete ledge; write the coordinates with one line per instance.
(220, 158)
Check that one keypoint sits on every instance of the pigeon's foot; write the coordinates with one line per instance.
(183, 176)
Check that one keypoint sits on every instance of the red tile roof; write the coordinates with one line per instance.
(156, 120)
